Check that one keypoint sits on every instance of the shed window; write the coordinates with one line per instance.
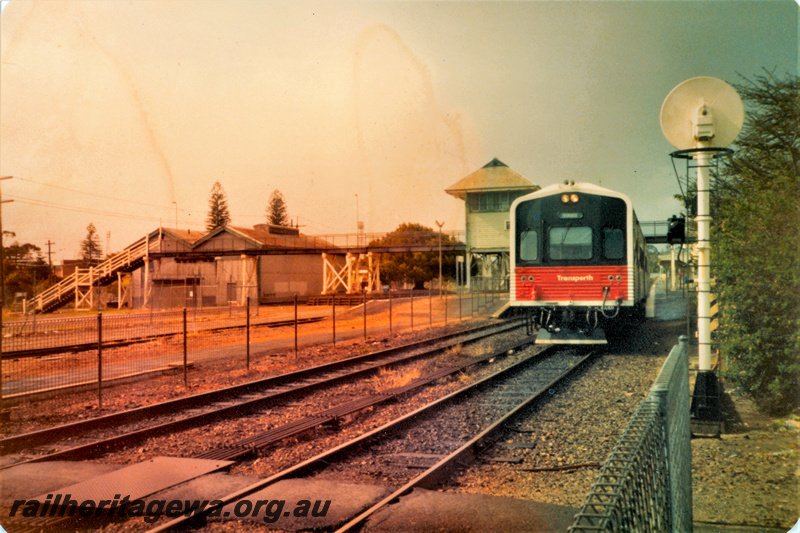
(494, 201)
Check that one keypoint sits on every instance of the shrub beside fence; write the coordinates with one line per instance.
(646, 483)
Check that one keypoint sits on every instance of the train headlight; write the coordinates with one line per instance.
(574, 198)
(565, 198)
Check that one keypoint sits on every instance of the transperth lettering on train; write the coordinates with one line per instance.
(587, 277)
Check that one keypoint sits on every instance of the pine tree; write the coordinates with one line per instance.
(91, 251)
(276, 210)
(218, 214)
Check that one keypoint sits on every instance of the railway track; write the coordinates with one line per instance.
(464, 422)
(167, 417)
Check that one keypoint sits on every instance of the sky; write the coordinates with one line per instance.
(124, 113)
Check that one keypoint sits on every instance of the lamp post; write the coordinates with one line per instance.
(358, 224)
(440, 224)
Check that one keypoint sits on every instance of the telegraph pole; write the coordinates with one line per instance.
(49, 257)
(2, 294)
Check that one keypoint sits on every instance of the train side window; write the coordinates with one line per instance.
(613, 243)
(529, 245)
(571, 242)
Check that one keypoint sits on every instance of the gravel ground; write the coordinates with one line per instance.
(746, 480)
(750, 476)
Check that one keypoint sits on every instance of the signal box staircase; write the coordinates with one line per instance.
(78, 286)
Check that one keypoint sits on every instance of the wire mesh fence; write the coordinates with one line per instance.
(645, 485)
(47, 356)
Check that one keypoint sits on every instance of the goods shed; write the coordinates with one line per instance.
(228, 265)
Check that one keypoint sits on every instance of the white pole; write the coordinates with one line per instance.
(672, 265)
(703, 262)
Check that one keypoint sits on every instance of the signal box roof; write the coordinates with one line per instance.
(494, 176)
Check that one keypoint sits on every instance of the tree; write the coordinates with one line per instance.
(758, 260)
(91, 251)
(415, 267)
(24, 267)
(218, 214)
(276, 210)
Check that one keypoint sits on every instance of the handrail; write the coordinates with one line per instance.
(83, 277)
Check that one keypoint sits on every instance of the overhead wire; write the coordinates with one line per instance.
(45, 203)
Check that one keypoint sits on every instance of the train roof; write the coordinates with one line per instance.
(571, 186)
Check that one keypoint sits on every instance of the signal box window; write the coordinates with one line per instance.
(613, 243)
(571, 243)
(529, 246)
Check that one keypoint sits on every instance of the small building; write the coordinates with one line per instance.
(229, 265)
(165, 282)
(488, 194)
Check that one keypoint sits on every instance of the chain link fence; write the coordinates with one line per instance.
(646, 483)
(43, 357)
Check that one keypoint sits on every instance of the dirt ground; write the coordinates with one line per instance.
(748, 478)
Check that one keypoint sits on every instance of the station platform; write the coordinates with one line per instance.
(668, 306)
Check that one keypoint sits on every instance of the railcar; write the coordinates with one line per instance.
(578, 262)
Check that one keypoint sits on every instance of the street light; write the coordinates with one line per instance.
(440, 224)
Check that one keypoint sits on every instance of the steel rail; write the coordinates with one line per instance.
(324, 459)
(239, 449)
(49, 435)
(436, 473)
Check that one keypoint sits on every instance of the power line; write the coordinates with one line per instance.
(53, 205)
(95, 194)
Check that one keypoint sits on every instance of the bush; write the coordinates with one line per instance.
(758, 256)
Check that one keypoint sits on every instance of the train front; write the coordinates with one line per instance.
(572, 261)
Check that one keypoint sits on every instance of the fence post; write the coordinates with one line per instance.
(247, 329)
(390, 312)
(459, 303)
(365, 316)
(472, 299)
(296, 355)
(333, 313)
(412, 309)
(430, 307)
(185, 354)
(100, 360)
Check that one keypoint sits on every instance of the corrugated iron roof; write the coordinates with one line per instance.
(494, 176)
(186, 235)
(262, 238)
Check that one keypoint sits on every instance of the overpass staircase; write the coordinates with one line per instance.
(79, 286)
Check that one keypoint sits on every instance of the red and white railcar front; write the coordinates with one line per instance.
(578, 262)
